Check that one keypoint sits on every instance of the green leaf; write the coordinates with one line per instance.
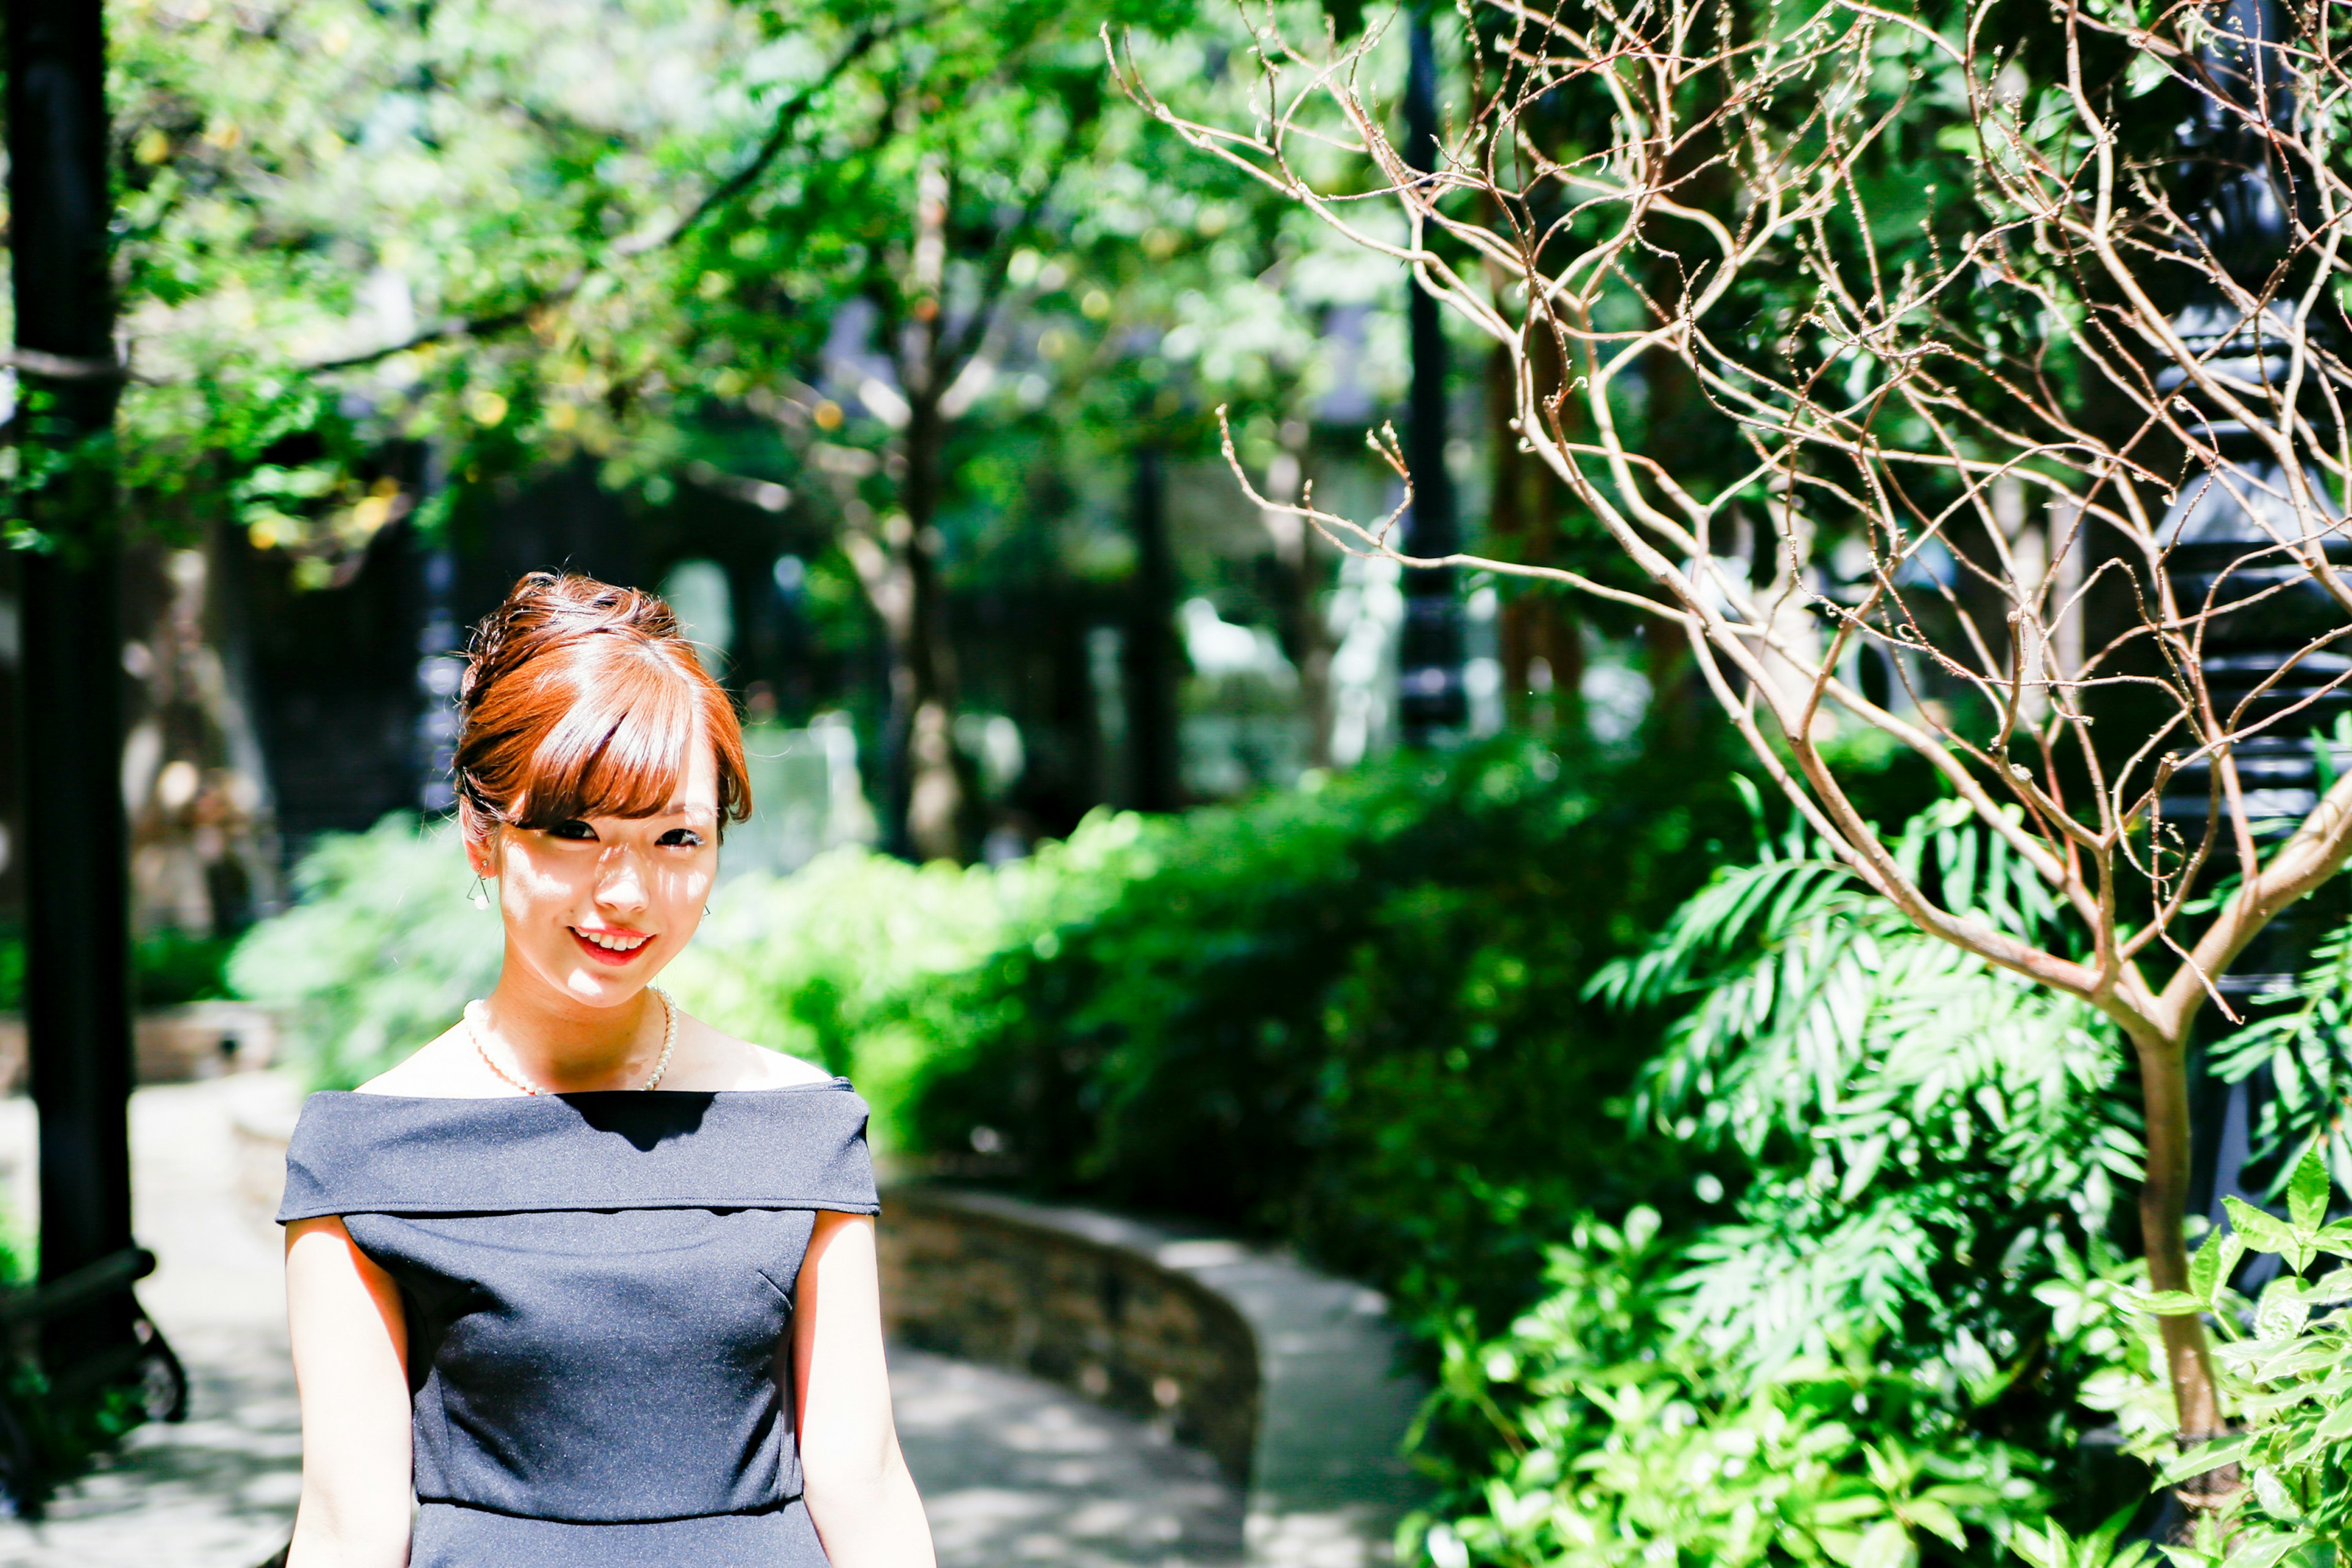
(2309, 1190)
(2337, 1239)
(2040, 1550)
(2271, 1492)
(1929, 1515)
(2174, 1304)
(1845, 1511)
(2330, 1288)
(2264, 1233)
(2281, 1313)
(2216, 1261)
(1886, 1545)
(2251, 1550)
(2204, 1457)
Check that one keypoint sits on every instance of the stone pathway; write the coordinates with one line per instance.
(217, 1491)
(1012, 1470)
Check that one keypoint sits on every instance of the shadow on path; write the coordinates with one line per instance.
(1014, 1470)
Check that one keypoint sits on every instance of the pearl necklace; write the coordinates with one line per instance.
(670, 1043)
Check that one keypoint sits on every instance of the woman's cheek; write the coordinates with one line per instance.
(543, 886)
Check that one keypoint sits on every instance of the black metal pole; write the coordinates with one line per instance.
(1153, 655)
(1431, 703)
(77, 984)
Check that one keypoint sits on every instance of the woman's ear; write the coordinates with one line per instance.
(482, 845)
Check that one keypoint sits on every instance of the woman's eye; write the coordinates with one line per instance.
(573, 829)
(681, 839)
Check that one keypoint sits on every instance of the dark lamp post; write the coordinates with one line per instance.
(1432, 706)
(2220, 535)
(77, 901)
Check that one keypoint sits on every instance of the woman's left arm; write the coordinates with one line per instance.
(854, 1477)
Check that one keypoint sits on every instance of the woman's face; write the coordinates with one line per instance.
(594, 907)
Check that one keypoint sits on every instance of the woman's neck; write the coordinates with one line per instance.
(560, 1043)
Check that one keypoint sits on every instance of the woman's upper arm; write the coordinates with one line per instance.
(350, 1371)
(841, 1385)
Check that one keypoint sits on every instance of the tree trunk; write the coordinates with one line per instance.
(1299, 577)
(924, 775)
(2163, 1207)
(2163, 1201)
(1542, 652)
(933, 816)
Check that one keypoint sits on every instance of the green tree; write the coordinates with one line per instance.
(827, 252)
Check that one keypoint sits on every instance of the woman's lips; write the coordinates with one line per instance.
(606, 955)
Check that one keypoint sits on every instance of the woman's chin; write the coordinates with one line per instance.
(596, 984)
(605, 988)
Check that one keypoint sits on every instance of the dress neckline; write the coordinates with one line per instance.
(780, 1147)
(576, 1093)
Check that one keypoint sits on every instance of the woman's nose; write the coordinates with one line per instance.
(620, 880)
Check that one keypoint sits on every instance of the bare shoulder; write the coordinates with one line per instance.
(763, 1067)
(444, 1068)
(722, 1061)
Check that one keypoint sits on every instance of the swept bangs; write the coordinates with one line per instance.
(621, 748)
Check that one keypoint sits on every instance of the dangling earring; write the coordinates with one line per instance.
(480, 897)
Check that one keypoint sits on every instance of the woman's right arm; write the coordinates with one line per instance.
(350, 1369)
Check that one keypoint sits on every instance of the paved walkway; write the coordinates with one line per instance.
(1012, 1470)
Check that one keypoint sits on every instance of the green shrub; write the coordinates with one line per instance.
(171, 968)
(857, 959)
(1619, 1438)
(1887, 1341)
(167, 969)
(2284, 1366)
(379, 954)
(1354, 1017)
(2304, 1036)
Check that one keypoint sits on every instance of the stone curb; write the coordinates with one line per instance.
(1290, 1378)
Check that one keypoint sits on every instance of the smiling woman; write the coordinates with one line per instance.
(542, 1311)
(597, 767)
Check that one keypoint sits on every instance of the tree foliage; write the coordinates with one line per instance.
(909, 279)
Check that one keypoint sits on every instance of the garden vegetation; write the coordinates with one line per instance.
(1735, 1218)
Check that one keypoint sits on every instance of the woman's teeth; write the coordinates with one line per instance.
(614, 943)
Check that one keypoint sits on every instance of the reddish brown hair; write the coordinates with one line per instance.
(580, 699)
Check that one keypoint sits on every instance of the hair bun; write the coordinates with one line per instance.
(545, 608)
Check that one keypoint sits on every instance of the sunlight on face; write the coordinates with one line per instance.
(596, 907)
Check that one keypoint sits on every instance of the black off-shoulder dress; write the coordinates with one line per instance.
(599, 1294)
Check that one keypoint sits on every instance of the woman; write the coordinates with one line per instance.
(589, 1279)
